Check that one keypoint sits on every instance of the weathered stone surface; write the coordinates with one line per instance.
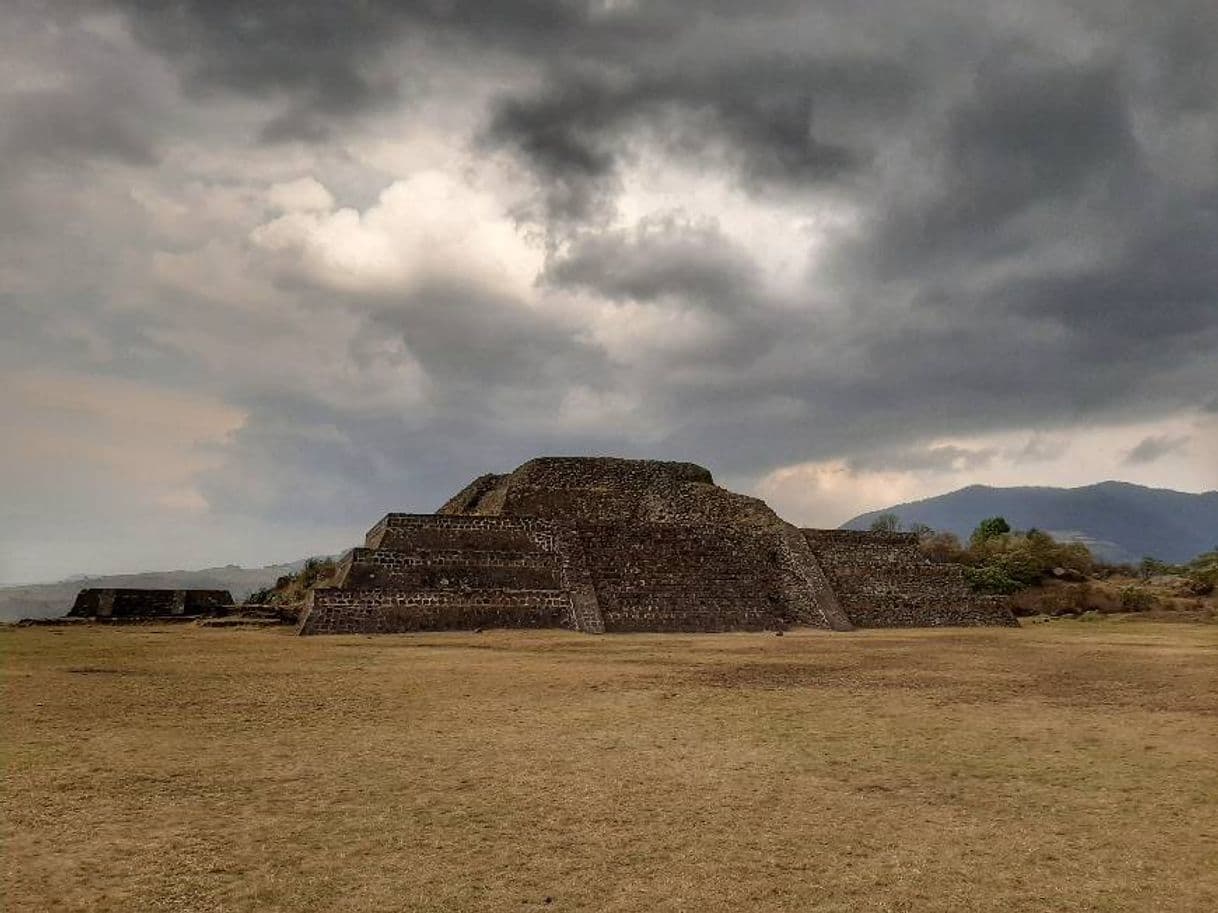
(666, 548)
(605, 544)
(883, 581)
(139, 603)
(377, 611)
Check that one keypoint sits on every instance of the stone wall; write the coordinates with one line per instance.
(408, 532)
(883, 581)
(140, 603)
(435, 572)
(696, 577)
(421, 569)
(383, 611)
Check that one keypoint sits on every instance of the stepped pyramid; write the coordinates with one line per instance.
(430, 572)
(600, 544)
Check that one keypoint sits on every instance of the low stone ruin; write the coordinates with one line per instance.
(604, 544)
(147, 605)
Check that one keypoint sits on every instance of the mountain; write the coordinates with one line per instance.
(1121, 522)
(47, 600)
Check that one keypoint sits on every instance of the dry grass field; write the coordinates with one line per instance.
(1061, 767)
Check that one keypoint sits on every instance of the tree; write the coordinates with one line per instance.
(886, 523)
(942, 547)
(990, 528)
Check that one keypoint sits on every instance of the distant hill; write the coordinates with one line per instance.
(1119, 521)
(47, 600)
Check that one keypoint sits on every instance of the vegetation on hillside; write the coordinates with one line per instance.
(290, 589)
(1000, 560)
(1055, 578)
(1120, 522)
(1202, 571)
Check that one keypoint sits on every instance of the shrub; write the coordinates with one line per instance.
(314, 571)
(291, 588)
(1203, 571)
(1153, 567)
(941, 548)
(990, 528)
(1069, 600)
(886, 523)
(1136, 599)
(991, 580)
(262, 596)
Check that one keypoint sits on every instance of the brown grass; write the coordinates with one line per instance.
(1064, 767)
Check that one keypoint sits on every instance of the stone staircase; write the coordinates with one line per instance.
(421, 572)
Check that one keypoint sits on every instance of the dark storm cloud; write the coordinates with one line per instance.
(473, 342)
(1037, 449)
(326, 57)
(661, 257)
(1029, 141)
(1030, 206)
(1155, 447)
(58, 126)
(763, 109)
(93, 107)
(943, 458)
(607, 68)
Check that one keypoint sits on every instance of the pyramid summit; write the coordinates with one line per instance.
(603, 544)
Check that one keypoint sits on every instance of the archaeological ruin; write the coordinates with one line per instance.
(599, 544)
(148, 604)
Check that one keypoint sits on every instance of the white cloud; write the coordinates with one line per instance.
(304, 194)
(424, 226)
(635, 333)
(785, 236)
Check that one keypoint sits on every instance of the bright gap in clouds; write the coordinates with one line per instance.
(828, 493)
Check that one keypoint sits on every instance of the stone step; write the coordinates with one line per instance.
(240, 621)
(459, 538)
(385, 611)
(451, 557)
(364, 568)
(586, 614)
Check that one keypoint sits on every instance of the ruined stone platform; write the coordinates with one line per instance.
(118, 604)
(607, 545)
(882, 580)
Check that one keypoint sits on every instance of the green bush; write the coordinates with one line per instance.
(1203, 571)
(990, 528)
(1002, 561)
(991, 580)
(1153, 567)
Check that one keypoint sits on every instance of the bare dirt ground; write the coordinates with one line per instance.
(1066, 767)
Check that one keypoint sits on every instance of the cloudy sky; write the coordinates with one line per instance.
(268, 270)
